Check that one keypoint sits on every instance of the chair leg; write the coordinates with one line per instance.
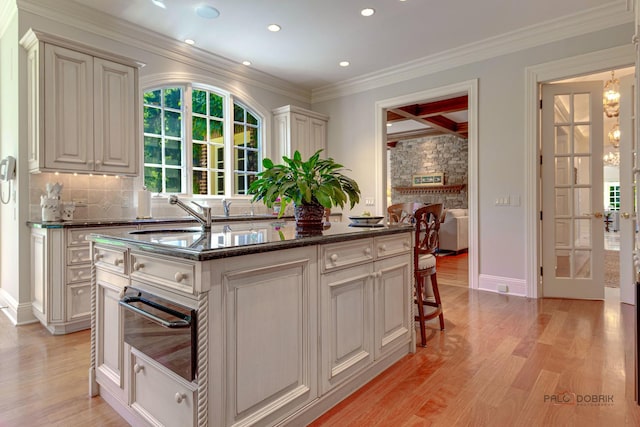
(436, 295)
(418, 290)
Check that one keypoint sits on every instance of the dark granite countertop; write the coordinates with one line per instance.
(80, 223)
(237, 239)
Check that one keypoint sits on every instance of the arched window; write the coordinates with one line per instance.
(199, 141)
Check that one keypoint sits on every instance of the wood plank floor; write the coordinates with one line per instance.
(498, 363)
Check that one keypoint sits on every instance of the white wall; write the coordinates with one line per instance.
(501, 169)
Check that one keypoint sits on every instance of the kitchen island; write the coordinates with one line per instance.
(283, 326)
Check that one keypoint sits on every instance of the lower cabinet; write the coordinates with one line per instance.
(365, 307)
(160, 396)
(109, 337)
(271, 335)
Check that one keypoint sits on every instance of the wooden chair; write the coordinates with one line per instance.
(427, 226)
(403, 212)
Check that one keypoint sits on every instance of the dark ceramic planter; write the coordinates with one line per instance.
(309, 218)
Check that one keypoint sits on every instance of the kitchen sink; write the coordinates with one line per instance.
(167, 231)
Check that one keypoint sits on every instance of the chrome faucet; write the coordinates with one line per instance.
(203, 218)
(225, 207)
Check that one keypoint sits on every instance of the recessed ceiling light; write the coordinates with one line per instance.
(247, 63)
(274, 28)
(207, 12)
(159, 3)
(367, 12)
(190, 41)
(344, 63)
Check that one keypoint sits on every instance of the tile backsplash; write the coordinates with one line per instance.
(96, 197)
(109, 197)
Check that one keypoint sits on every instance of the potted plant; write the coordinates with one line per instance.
(311, 185)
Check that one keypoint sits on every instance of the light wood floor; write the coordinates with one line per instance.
(498, 360)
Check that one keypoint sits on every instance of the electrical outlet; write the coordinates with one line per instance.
(502, 288)
(369, 201)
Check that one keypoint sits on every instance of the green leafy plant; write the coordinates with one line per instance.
(313, 182)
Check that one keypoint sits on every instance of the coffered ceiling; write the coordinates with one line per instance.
(436, 117)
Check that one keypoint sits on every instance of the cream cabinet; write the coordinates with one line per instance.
(83, 108)
(365, 304)
(271, 334)
(61, 276)
(108, 332)
(299, 129)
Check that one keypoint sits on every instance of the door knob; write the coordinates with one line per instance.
(625, 215)
(598, 215)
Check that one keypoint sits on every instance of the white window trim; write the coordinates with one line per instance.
(202, 82)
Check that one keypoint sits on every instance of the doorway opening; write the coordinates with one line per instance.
(443, 121)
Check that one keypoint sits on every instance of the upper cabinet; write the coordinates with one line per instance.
(83, 108)
(299, 129)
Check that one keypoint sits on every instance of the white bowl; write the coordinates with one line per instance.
(370, 220)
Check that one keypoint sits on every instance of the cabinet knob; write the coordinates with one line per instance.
(137, 368)
(98, 164)
(138, 266)
(180, 397)
(80, 292)
(117, 261)
(367, 251)
(97, 257)
(333, 257)
(180, 276)
(80, 237)
(383, 247)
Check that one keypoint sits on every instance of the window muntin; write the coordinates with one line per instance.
(224, 149)
(163, 140)
(246, 148)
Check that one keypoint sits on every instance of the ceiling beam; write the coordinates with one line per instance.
(437, 108)
(440, 123)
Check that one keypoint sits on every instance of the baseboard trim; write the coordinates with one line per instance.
(18, 314)
(517, 287)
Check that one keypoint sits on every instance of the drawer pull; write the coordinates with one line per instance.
(80, 292)
(138, 266)
(333, 257)
(117, 261)
(97, 257)
(383, 247)
(367, 251)
(180, 277)
(80, 237)
(137, 368)
(180, 397)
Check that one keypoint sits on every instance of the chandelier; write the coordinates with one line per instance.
(612, 159)
(614, 135)
(611, 97)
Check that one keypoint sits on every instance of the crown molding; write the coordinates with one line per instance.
(8, 10)
(87, 19)
(592, 20)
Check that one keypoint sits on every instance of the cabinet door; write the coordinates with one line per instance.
(68, 109)
(392, 300)
(109, 335)
(271, 336)
(115, 112)
(346, 313)
(317, 136)
(300, 135)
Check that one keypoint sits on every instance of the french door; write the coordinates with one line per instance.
(572, 190)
